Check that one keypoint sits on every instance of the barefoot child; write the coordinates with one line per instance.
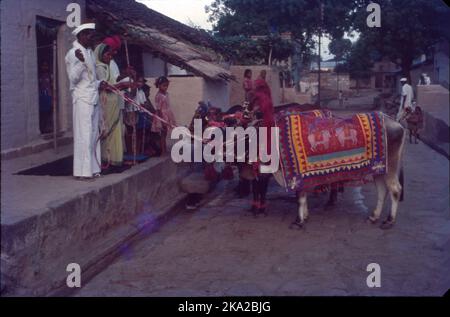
(162, 105)
(414, 120)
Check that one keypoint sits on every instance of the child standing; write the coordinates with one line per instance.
(248, 84)
(162, 105)
(414, 119)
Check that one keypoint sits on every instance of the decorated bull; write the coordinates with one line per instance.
(349, 150)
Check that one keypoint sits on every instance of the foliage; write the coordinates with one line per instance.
(340, 48)
(408, 29)
(246, 18)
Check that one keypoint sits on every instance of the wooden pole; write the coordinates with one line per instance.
(126, 53)
(318, 79)
(135, 121)
(320, 37)
(54, 93)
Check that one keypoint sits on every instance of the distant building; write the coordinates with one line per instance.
(384, 74)
(325, 66)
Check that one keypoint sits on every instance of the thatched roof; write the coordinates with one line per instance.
(179, 44)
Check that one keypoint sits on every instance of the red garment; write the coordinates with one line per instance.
(263, 100)
(113, 41)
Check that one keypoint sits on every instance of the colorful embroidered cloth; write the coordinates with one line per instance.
(317, 150)
(296, 110)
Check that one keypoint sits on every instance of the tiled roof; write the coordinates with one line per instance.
(175, 42)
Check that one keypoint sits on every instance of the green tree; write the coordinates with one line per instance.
(360, 60)
(245, 18)
(408, 29)
(341, 49)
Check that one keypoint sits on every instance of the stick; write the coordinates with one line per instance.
(143, 138)
(126, 53)
(55, 143)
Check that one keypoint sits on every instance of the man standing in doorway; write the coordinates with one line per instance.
(84, 86)
(406, 98)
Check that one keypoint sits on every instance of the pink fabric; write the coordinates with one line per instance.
(248, 85)
(162, 103)
(216, 124)
(113, 41)
(263, 100)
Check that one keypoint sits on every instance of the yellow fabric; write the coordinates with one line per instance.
(112, 146)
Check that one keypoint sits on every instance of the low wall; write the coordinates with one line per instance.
(186, 92)
(37, 247)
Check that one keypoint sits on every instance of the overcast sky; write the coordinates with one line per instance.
(194, 11)
(182, 10)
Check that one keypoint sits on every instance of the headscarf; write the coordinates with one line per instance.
(99, 51)
(114, 42)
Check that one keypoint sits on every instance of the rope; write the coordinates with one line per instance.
(143, 109)
(133, 141)
(143, 138)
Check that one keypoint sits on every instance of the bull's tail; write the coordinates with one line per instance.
(400, 166)
(400, 179)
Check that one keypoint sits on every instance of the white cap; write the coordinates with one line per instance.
(86, 26)
(403, 79)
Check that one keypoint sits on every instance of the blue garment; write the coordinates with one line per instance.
(45, 101)
(144, 121)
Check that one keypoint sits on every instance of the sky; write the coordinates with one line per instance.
(182, 10)
(193, 11)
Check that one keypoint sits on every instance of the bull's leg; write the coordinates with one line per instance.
(302, 209)
(333, 195)
(381, 191)
(264, 183)
(255, 203)
(395, 190)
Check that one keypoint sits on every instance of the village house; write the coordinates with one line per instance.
(33, 32)
(48, 218)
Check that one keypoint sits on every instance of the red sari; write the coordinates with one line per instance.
(263, 100)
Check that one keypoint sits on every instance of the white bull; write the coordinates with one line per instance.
(389, 182)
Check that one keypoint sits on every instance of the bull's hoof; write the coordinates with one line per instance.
(371, 220)
(387, 224)
(296, 225)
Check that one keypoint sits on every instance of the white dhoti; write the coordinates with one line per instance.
(86, 115)
(87, 153)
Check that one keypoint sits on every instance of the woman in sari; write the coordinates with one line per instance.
(112, 144)
(262, 101)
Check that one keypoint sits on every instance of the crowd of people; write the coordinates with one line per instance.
(111, 134)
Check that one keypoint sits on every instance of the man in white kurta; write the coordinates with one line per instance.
(406, 98)
(80, 64)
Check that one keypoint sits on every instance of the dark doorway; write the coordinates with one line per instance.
(46, 36)
(61, 167)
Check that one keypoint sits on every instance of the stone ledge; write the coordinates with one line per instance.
(83, 225)
(436, 133)
(35, 147)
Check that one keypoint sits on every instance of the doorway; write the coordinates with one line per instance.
(46, 37)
